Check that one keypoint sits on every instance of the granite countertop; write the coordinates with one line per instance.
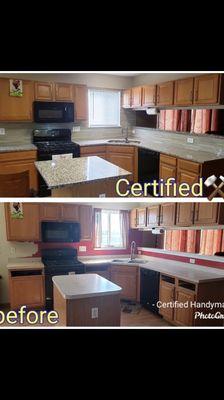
(68, 172)
(23, 263)
(8, 147)
(84, 286)
(166, 146)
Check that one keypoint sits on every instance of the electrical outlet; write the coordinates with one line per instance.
(94, 312)
(139, 252)
(192, 260)
(76, 129)
(12, 251)
(133, 131)
(190, 140)
(2, 131)
(82, 248)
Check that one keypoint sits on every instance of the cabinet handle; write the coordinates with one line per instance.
(196, 213)
(157, 97)
(196, 94)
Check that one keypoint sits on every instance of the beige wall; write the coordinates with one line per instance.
(10, 249)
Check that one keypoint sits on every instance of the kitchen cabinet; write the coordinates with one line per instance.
(26, 229)
(183, 92)
(184, 316)
(141, 217)
(166, 295)
(133, 218)
(26, 289)
(16, 108)
(167, 169)
(125, 157)
(185, 214)
(167, 214)
(63, 92)
(81, 102)
(188, 172)
(44, 91)
(86, 221)
(50, 212)
(70, 212)
(153, 213)
(136, 97)
(148, 95)
(127, 277)
(126, 98)
(88, 151)
(20, 161)
(209, 213)
(207, 89)
(165, 93)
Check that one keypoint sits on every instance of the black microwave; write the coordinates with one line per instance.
(60, 232)
(47, 112)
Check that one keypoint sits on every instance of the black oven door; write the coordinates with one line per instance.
(60, 232)
(53, 112)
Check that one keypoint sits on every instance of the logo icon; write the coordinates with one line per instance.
(210, 181)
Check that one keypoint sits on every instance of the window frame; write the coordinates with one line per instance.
(109, 235)
(89, 108)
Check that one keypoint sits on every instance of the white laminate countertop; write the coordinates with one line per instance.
(68, 172)
(26, 263)
(84, 286)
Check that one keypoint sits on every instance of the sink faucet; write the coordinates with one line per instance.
(125, 130)
(133, 248)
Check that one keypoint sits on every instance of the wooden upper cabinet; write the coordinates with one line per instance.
(167, 214)
(148, 95)
(81, 102)
(185, 214)
(133, 219)
(206, 89)
(16, 108)
(183, 93)
(63, 92)
(126, 98)
(206, 213)
(86, 221)
(50, 212)
(26, 229)
(165, 92)
(136, 96)
(141, 217)
(69, 212)
(153, 215)
(44, 91)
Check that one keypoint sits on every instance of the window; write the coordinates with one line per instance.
(104, 108)
(111, 229)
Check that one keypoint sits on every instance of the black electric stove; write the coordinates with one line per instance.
(51, 142)
(59, 262)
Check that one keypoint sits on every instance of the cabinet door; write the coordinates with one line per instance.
(133, 219)
(26, 229)
(28, 291)
(184, 316)
(206, 213)
(148, 95)
(126, 98)
(70, 212)
(167, 169)
(188, 172)
(166, 295)
(183, 94)
(153, 215)
(165, 94)
(16, 108)
(44, 91)
(86, 222)
(81, 102)
(167, 214)
(206, 89)
(123, 157)
(141, 217)
(185, 214)
(136, 96)
(50, 212)
(63, 92)
(127, 278)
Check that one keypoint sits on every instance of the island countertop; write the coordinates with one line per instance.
(68, 172)
(84, 285)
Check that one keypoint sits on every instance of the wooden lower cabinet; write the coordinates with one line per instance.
(125, 157)
(167, 169)
(26, 289)
(127, 278)
(184, 316)
(166, 295)
(88, 151)
(188, 172)
(26, 229)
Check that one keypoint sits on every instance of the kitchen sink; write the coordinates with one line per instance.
(129, 261)
(122, 141)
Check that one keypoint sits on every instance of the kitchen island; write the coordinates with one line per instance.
(86, 300)
(81, 177)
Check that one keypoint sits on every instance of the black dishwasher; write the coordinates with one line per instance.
(148, 166)
(149, 289)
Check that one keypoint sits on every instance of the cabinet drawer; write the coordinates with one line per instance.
(92, 149)
(168, 160)
(124, 269)
(18, 155)
(121, 149)
(189, 166)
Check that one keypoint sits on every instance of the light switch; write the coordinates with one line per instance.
(94, 312)
(190, 140)
(2, 131)
(82, 248)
